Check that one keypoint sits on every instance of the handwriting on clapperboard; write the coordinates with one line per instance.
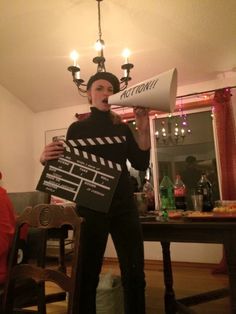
(82, 178)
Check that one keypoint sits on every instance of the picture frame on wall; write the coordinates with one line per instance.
(56, 134)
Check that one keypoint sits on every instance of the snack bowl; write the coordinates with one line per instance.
(225, 207)
(175, 214)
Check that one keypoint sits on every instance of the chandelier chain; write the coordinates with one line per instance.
(99, 21)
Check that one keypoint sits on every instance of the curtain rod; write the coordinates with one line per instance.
(207, 91)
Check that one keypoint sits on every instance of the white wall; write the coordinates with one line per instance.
(16, 143)
(180, 252)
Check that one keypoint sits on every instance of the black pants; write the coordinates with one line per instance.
(126, 234)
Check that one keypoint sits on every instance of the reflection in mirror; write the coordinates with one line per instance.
(142, 181)
(190, 157)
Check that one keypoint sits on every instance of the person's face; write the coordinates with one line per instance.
(99, 93)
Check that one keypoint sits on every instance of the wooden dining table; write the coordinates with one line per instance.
(194, 231)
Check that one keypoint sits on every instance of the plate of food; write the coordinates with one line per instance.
(214, 215)
(198, 214)
(225, 207)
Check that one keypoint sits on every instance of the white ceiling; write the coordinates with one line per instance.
(195, 36)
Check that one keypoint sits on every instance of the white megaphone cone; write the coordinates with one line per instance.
(158, 92)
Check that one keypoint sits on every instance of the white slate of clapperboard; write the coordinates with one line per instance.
(80, 177)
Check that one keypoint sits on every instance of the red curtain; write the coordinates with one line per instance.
(225, 129)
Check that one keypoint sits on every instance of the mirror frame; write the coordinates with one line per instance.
(154, 150)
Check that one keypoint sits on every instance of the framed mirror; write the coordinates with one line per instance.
(188, 155)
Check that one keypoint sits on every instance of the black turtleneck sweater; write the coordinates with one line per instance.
(100, 124)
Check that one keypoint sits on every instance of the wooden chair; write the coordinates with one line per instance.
(20, 201)
(43, 218)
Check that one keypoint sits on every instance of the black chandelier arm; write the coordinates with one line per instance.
(78, 82)
(73, 69)
(127, 66)
(82, 92)
(82, 88)
(125, 79)
(100, 61)
(123, 84)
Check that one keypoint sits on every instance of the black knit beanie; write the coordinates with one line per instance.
(105, 76)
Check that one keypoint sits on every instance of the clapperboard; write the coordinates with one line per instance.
(81, 177)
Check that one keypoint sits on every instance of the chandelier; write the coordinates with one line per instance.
(100, 61)
(173, 129)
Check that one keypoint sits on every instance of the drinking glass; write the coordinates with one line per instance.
(196, 200)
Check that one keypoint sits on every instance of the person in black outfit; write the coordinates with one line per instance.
(190, 176)
(122, 220)
(134, 183)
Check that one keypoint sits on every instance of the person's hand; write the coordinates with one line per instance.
(51, 151)
(141, 118)
(142, 124)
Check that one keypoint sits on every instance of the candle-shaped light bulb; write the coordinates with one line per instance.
(126, 55)
(74, 57)
(99, 46)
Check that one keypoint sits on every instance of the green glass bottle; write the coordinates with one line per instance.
(167, 194)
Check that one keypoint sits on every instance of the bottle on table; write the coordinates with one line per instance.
(167, 194)
(204, 187)
(180, 193)
(149, 192)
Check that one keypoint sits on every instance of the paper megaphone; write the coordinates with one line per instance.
(158, 92)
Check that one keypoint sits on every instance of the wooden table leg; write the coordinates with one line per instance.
(170, 302)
